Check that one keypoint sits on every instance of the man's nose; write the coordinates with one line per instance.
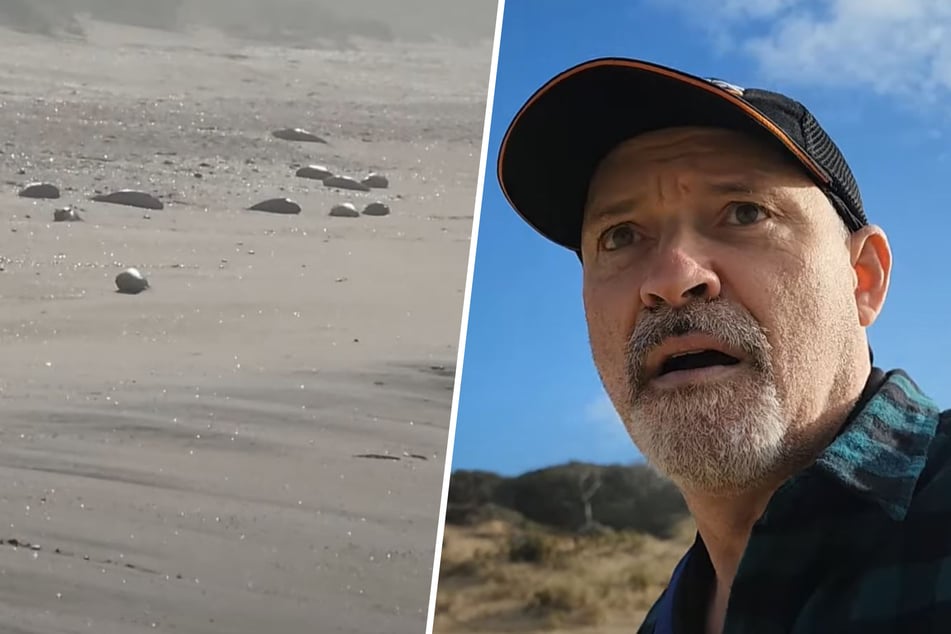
(678, 276)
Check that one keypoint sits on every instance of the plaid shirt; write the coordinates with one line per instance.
(860, 542)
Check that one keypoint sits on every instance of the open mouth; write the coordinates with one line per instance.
(695, 360)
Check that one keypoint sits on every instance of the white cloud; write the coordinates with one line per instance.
(601, 411)
(606, 434)
(894, 47)
(742, 9)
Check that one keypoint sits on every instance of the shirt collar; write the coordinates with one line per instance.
(883, 446)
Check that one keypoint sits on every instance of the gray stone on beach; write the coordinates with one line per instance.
(345, 182)
(297, 134)
(376, 209)
(344, 210)
(131, 282)
(40, 190)
(66, 214)
(376, 181)
(130, 198)
(316, 172)
(277, 206)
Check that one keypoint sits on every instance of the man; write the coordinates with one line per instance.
(729, 277)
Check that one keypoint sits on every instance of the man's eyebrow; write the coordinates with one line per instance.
(617, 208)
(631, 203)
(731, 187)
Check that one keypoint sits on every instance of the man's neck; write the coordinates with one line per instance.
(725, 524)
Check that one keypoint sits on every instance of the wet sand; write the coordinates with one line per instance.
(219, 453)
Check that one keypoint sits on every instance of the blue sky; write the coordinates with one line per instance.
(877, 76)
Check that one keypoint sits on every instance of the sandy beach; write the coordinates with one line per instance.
(256, 443)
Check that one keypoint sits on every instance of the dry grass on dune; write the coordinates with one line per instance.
(503, 577)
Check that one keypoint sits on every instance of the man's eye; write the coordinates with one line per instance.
(618, 237)
(745, 213)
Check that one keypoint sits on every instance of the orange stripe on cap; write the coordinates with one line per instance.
(696, 82)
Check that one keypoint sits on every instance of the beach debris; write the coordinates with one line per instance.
(131, 282)
(40, 190)
(345, 182)
(376, 456)
(316, 172)
(66, 214)
(386, 456)
(344, 210)
(277, 206)
(376, 181)
(297, 134)
(130, 198)
(376, 209)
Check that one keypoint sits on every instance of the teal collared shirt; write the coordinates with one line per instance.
(859, 542)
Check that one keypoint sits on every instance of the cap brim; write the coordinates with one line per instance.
(555, 142)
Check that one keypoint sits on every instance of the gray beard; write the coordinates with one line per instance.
(719, 436)
(716, 438)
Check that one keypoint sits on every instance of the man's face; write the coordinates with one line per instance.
(720, 292)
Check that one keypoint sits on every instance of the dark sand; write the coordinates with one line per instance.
(185, 459)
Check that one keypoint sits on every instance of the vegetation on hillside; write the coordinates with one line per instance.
(575, 497)
(572, 548)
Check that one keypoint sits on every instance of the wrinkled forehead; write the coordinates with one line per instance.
(704, 151)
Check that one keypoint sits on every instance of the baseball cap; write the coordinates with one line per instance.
(556, 140)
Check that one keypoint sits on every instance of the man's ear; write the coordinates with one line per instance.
(871, 259)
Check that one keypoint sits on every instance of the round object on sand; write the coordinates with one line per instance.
(376, 209)
(345, 182)
(40, 190)
(66, 214)
(277, 206)
(345, 210)
(376, 181)
(131, 282)
(316, 172)
(130, 198)
(297, 134)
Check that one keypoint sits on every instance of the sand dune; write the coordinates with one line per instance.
(185, 459)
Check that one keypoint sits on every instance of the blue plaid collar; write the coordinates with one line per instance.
(882, 449)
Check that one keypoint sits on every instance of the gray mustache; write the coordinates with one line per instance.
(718, 319)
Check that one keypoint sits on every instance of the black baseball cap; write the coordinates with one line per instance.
(553, 145)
